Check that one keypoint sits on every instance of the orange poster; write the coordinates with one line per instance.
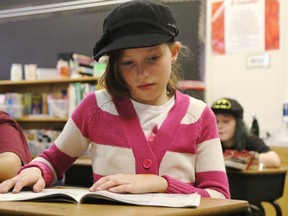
(272, 30)
(217, 28)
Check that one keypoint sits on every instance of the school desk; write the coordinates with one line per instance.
(258, 186)
(208, 207)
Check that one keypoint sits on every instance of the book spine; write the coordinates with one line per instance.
(36, 103)
(27, 99)
(44, 104)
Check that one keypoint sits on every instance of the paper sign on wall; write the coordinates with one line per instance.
(258, 61)
(241, 26)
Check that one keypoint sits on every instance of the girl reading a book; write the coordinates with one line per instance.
(145, 135)
(235, 135)
(14, 150)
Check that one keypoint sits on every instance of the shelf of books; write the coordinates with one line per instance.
(42, 107)
(44, 100)
(30, 85)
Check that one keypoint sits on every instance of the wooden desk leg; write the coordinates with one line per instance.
(275, 204)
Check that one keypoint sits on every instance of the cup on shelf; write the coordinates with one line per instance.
(63, 69)
(30, 71)
(16, 72)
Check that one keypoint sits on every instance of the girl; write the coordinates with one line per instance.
(146, 136)
(13, 147)
(234, 134)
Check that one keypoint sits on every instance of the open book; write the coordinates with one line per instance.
(84, 196)
(241, 160)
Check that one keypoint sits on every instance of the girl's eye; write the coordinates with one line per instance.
(226, 121)
(152, 58)
(126, 63)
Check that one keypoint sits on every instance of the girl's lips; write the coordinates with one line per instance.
(146, 85)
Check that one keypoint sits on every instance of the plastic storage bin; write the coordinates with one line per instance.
(58, 108)
(14, 110)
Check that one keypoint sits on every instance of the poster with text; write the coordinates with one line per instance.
(241, 26)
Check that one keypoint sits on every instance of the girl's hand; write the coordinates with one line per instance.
(27, 177)
(126, 183)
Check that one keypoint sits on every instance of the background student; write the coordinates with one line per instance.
(234, 134)
(14, 150)
(145, 135)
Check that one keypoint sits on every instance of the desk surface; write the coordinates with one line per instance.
(85, 161)
(208, 207)
(264, 171)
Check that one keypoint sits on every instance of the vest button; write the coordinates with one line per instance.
(147, 163)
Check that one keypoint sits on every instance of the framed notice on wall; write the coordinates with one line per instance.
(241, 26)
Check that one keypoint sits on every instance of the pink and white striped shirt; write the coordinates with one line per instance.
(185, 149)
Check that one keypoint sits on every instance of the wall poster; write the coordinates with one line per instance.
(241, 26)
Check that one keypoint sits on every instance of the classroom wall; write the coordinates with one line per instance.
(39, 38)
(261, 90)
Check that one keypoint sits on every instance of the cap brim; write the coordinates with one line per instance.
(133, 41)
(225, 111)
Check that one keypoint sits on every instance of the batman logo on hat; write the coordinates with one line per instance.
(228, 105)
(222, 104)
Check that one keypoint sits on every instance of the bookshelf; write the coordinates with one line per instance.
(41, 86)
(44, 86)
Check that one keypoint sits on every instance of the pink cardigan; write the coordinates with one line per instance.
(186, 150)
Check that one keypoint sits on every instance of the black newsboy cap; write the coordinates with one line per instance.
(136, 24)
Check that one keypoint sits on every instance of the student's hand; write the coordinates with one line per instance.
(125, 183)
(27, 177)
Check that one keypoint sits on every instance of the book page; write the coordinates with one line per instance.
(235, 165)
(64, 195)
(82, 195)
(153, 199)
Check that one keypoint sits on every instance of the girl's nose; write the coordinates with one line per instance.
(219, 125)
(142, 71)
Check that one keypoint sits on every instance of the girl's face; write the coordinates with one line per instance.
(226, 126)
(147, 71)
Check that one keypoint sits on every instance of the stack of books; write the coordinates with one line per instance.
(83, 64)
